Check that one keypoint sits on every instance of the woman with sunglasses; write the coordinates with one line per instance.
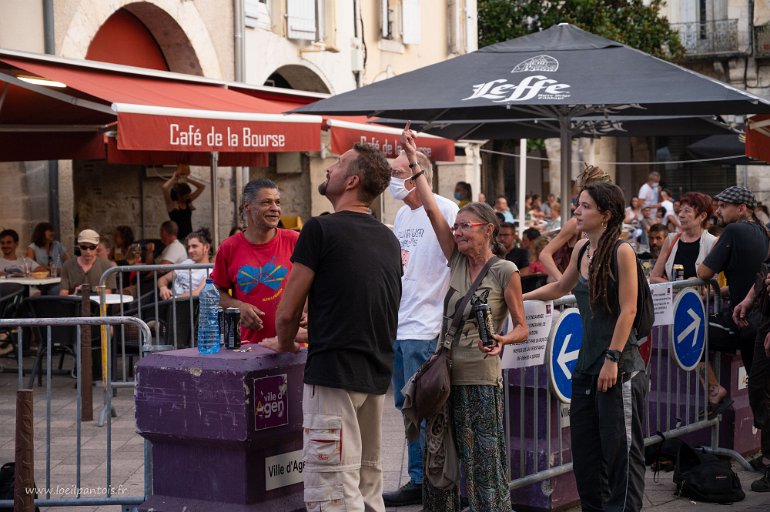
(474, 411)
(86, 268)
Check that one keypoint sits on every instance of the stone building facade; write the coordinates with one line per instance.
(308, 46)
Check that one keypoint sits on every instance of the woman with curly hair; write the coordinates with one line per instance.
(609, 384)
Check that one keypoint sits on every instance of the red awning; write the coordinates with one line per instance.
(155, 111)
(758, 137)
(347, 130)
(345, 133)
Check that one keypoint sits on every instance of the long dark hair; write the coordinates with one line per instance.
(485, 213)
(608, 198)
(38, 234)
(126, 235)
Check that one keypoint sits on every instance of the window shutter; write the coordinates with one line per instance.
(301, 19)
(411, 21)
(384, 17)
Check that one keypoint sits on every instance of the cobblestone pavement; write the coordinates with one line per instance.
(128, 460)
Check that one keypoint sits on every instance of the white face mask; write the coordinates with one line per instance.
(397, 188)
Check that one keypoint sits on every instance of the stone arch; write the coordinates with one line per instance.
(178, 28)
(298, 77)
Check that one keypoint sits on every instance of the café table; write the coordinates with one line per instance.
(31, 281)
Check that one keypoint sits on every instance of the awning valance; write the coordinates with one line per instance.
(155, 111)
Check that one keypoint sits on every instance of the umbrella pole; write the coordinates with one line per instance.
(566, 167)
(522, 183)
(214, 201)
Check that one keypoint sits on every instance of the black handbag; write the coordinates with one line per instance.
(432, 381)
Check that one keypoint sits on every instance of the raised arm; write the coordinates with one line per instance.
(199, 188)
(443, 232)
(167, 186)
(561, 239)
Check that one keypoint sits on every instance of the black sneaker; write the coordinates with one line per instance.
(409, 494)
(762, 484)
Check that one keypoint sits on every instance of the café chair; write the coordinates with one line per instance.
(63, 338)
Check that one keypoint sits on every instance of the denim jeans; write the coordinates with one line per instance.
(409, 355)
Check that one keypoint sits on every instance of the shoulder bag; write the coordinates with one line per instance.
(432, 382)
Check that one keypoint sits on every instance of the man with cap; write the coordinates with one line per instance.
(739, 253)
(86, 268)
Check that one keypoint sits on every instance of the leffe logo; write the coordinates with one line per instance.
(533, 86)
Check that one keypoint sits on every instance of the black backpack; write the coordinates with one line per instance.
(645, 309)
(705, 477)
(6, 485)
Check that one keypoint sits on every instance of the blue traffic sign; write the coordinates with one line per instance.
(561, 355)
(688, 333)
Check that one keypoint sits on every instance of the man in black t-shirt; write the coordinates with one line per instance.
(739, 253)
(347, 266)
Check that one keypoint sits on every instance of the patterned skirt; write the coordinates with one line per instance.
(477, 419)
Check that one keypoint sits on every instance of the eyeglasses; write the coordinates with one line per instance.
(87, 247)
(465, 226)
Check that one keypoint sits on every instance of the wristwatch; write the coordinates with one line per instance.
(412, 165)
(612, 355)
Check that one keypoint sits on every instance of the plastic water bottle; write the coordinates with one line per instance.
(208, 319)
(55, 265)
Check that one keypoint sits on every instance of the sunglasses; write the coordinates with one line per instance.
(87, 247)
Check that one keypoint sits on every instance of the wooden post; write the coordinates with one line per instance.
(86, 358)
(24, 472)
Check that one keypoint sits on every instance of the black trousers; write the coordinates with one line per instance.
(759, 389)
(608, 442)
(725, 336)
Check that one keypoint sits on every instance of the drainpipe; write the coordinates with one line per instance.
(240, 174)
(53, 165)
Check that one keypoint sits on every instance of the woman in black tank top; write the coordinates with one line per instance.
(179, 197)
(609, 383)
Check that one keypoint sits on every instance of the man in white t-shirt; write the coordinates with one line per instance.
(10, 262)
(670, 218)
(423, 287)
(184, 281)
(173, 252)
(648, 192)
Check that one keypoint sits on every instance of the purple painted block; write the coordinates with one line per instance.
(219, 426)
(272, 409)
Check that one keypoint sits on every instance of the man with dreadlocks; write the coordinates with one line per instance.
(609, 384)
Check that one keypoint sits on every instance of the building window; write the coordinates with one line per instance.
(257, 14)
(400, 20)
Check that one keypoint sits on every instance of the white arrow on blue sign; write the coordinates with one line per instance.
(561, 354)
(688, 333)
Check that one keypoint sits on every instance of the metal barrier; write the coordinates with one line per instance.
(672, 388)
(76, 489)
(149, 307)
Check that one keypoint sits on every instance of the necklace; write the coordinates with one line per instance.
(588, 251)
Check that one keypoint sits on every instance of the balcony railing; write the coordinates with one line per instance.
(708, 38)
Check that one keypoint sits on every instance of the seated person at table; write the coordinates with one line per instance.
(44, 248)
(182, 281)
(86, 268)
(12, 265)
(173, 252)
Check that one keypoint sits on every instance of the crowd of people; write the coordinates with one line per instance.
(406, 291)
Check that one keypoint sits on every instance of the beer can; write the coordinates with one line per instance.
(232, 329)
(221, 322)
(678, 272)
